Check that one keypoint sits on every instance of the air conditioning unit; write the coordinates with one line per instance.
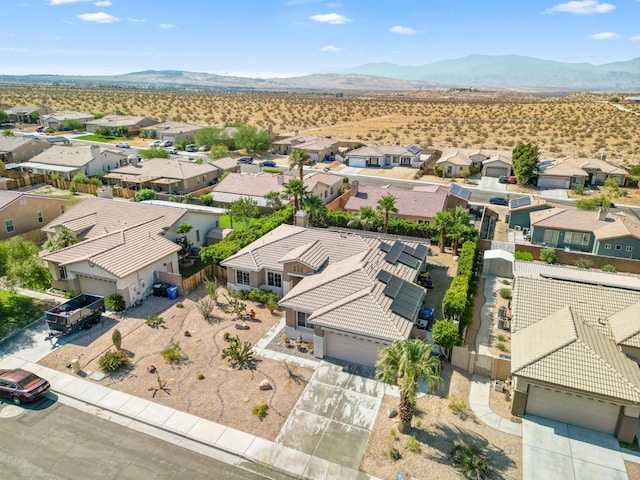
(499, 386)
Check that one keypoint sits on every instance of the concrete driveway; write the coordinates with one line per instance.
(492, 184)
(552, 449)
(335, 414)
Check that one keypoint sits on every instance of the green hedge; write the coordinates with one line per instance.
(457, 303)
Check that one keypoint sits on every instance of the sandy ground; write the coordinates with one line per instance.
(436, 427)
(225, 395)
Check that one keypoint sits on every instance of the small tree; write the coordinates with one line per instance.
(205, 307)
(525, 160)
(116, 338)
(154, 152)
(465, 174)
(612, 187)
(524, 256)
(64, 238)
(549, 255)
(146, 194)
(218, 151)
(115, 302)
(244, 208)
(212, 288)
(446, 335)
(206, 199)
(238, 354)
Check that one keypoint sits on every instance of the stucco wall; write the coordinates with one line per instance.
(24, 214)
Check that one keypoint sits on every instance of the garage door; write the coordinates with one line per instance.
(351, 348)
(553, 182)
(496, 172)
(357, 162)
(573, 409)
(97, 286)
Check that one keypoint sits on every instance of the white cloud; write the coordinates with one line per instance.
(334, 5)
(403, 30)
(13, 49)
(635, 38)
(166, 26)
(99, 17)
(581, 7)
(330, 48)
(136, 20)
(331, 18)
(63, 2)
(104, 3)
(604, 36)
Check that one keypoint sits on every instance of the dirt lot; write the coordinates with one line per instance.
(436, 427)
(225, 395)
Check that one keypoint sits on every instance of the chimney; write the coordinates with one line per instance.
(295, 133)
(133, 160)
(95, 150)
(602, 214)
(354, 187)
(280, 178)
(301, 219)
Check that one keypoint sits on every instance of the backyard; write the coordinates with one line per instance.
(17, 311)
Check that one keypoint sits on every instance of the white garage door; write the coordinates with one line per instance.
(97, 286)
(553, 182)
(496, 172)
(357, 162)
(573, 409)
(351, 348)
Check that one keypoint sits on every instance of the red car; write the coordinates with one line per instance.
(22, 386)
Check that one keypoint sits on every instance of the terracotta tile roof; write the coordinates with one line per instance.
(383, 150)
(312, 254)
(457, 158)
(171, 168)
(625, 326)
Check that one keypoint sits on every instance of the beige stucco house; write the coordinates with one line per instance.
(318, 148)
(173, 131)
(56, 119)
(133, 123)
(22, 213)
(21, 149)
(384, 156)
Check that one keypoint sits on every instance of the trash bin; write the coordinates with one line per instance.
(157, 289)
(172, 292)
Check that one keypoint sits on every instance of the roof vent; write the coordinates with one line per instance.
(602, 321)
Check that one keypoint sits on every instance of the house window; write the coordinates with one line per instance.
(62, 271)
(274, 279)
(197, 235)
(9, 225)
(302, 320)
(618, 247)
(243, 278)
(577, 238)
(629, 248)
(40, 217)
(331, 190)
(607, 246)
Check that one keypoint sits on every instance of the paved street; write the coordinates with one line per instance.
(53, 441)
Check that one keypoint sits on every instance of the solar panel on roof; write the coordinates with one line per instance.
(408, 301)
(520, 202)
(421, 252)
(393, 286)
(394, 253)
(385, 247)
(384, 276)
(414, 149)
(409, 250)
(409, 260)
(460, 191)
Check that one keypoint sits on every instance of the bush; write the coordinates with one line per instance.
(501, 337)
(206, 199)
(271, 170)
(115, 302)
(179, 305)
(609, 268)
(506, 293)
(145, 194)
(501, 346)
(260, 410)
(237, 353)
(472, 460)
(116, 338)
(583, 262)
(200, 376)
(69, 294)
(154, 321)
(173, 353)
(413, 444)
(395, 454)
(549, 255)
(458, 405)
(579, 189)
(524, 256)
(112, 361)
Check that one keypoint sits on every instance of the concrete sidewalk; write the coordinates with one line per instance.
(479, 403)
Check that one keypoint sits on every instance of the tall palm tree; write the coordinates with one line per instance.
(315, 206)
(297, 159)
(442, 222)
(386, 206)
(296, 190)
(404, 363)
(365, 218)
(459, 227)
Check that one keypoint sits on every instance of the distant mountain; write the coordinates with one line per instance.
(329, 83)
(512, 71)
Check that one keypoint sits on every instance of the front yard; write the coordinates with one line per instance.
(224, 395)
(17, 311)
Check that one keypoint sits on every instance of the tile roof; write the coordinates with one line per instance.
(312, 254)
(625, 326)
(170, 168)
(118, 121)
(173, 128)
(562, 168)
(506, 159)
(564, 350)
(226, 163)
(11, 143)
(70, 156)
(259, 184)
(457, 158)
(63, 115)
(383, 150)
(611, 226)
(9, 196)
(314, 178)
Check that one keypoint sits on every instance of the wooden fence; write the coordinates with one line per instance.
(88, 188)
(21, 179)
(189, 284)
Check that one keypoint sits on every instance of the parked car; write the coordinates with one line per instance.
(499, 201)
(203, 148)
(123, 145)
(425, 318)
(155, 143)
(172, 150)
(502, 179)
(246, 160)
(268, 163)
(190, 148)
(40, 129)
(22, 386)
(512, 180)
(166, 143)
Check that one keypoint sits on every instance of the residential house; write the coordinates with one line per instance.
(600, 233)
(384, 156)
(69, 161)
(573, 340)
(125, 247)
(226, 164)
(520, 210)
(133, 123)
(421, 204)
(454, 163)
(350, 295)
(577, 172)
(20, 149)
(22, 212)
(56, 119)
(172, 131)
(171, 175)
(26, 114)
(599, 170)
(256, 185)
(498, 165)
(319, 148)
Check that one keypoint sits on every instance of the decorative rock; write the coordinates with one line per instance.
(187, 333)
(264, 385)
(392, 413)
(151, 369)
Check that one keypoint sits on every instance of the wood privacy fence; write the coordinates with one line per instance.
(88, 188)
(21, 179)
(189, 284)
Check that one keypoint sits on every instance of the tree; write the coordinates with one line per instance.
(365, 218)
(612, 187)
(524, 160)
(250, 138)
(446, 335)
(297, 159)
(274, 200)
(21, 265)
(295, 189)
(465, 174)
(184, 228)
(549, 255)
(244, 208)
(218, 151)
(405, 363)
(154, 152)
(71, 124)
(442, 222)
(60, 240)
(386, 206)
(145, 194)
(7, 133)
(213, 136)
(316, 208)
(593, 203)
(459, 227)
(4, 116)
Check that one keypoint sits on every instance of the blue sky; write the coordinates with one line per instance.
(269, 38)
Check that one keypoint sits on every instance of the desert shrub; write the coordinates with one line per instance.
(549, 255)
(272, 305)
(260, 410)
(413, 444)
(116, 338)
(172, 353)
(179, 305)
(504, 281)
(505, 293)
(524, 256)
(145, 194)
(609, 268)
(226, 337)
(579, 189)
(69, 294)
(154, 321)
(237, 353)
(112, 361)
(395, 454)
(205, 307)
(501, 337)
(458, 405)
(206, 199)
(115, 302)
(471, 460)
(583, 262)
(200, 376)
(501, 346)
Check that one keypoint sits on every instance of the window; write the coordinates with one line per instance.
(9, 225)
(607, 246)
(274, 279)
(40, 217)
(629, 248)
(302, 320)
(197, 235)
(243, 278)
(62, 271)
(618, 247)
(577, 238)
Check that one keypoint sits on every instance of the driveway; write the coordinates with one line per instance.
(492, 184)
(335, 414)
(552, 449)
(554, 193)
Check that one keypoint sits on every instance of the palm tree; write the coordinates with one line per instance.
(365, 218)
(297, 160)
(64, 238)
(315, 206)
(442, 222)
(274, 200)
(404, 363)
(296, 190)
(459, 228)
(387, 205)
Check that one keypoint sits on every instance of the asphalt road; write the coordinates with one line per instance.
(55, 442)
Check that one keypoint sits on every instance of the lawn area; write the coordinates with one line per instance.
(16, 311)
(195, 268)
(99, 138)
(225, 222)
